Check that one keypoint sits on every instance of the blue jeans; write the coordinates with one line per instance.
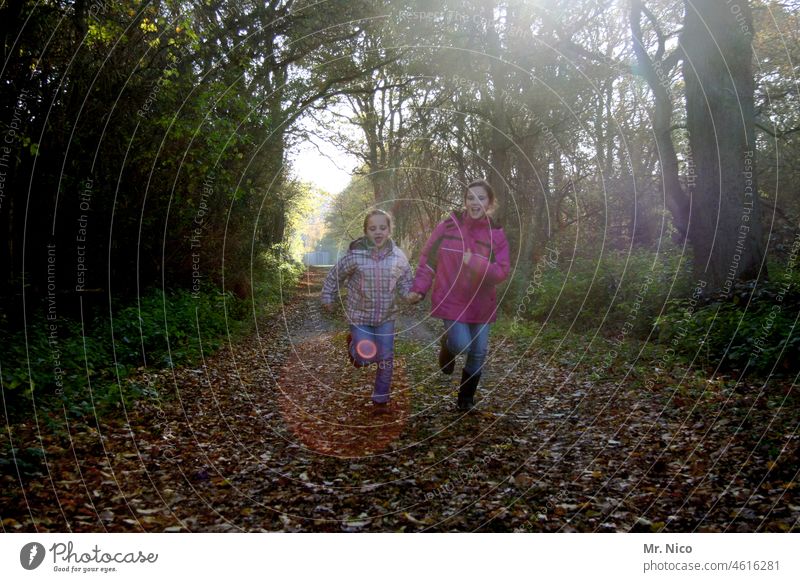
(469, 338)
(374, 344)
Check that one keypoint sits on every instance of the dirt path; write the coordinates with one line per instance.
(276, 433)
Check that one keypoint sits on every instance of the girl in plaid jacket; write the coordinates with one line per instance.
(375, 270)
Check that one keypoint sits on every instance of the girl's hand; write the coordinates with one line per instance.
(413, 297)
(467, 256)
(328, 307)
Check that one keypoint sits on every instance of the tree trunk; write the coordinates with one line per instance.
(499, 163)
(676, 199)
(724, 224)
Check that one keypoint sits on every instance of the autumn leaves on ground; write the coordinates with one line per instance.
(277, 433)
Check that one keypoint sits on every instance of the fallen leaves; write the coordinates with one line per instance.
(277, 433)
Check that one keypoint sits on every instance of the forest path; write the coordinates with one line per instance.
(277, 433)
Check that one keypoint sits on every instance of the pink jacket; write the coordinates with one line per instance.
(462, 292)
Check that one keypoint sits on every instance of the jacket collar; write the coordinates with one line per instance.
(463, 218)
(364, 244)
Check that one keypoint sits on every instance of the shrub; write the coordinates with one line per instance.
(752, 329)
(620, 292)
(159, 329)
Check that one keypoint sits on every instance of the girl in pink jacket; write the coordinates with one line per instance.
(464, 259)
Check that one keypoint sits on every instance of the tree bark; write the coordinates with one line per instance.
(725, 217)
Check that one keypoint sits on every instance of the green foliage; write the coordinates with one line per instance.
(600, 358)
(305, 206)
(28, 461)
(192, 125)
(83, 371)
(60, 365)
(345, 220)
(165, 329)
(619, 293)
(736, 333)
(275, 279)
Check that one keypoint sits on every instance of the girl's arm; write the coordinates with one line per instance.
(425, 273)
(493, 273)
(336, 276)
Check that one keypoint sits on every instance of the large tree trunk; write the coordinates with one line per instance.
(724, 225)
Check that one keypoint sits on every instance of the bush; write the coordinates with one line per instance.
(751, 329)
(620, 293)
(275, 278)
(158, 330)
(165, 329)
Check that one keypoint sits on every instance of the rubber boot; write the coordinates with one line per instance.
(466, 392)
(447, 361)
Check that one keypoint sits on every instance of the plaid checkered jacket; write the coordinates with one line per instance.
(374, 277)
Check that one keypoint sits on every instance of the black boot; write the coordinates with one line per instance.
(447, 361)
(466, 392)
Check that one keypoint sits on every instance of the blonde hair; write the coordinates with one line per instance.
(378, 212)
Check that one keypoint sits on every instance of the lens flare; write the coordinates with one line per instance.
(366, 349)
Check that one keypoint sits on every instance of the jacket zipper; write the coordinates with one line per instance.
(379, 290)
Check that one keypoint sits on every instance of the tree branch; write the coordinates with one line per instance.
(676, 197)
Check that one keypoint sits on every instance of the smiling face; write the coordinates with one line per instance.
(378, 229)
(477, 202)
